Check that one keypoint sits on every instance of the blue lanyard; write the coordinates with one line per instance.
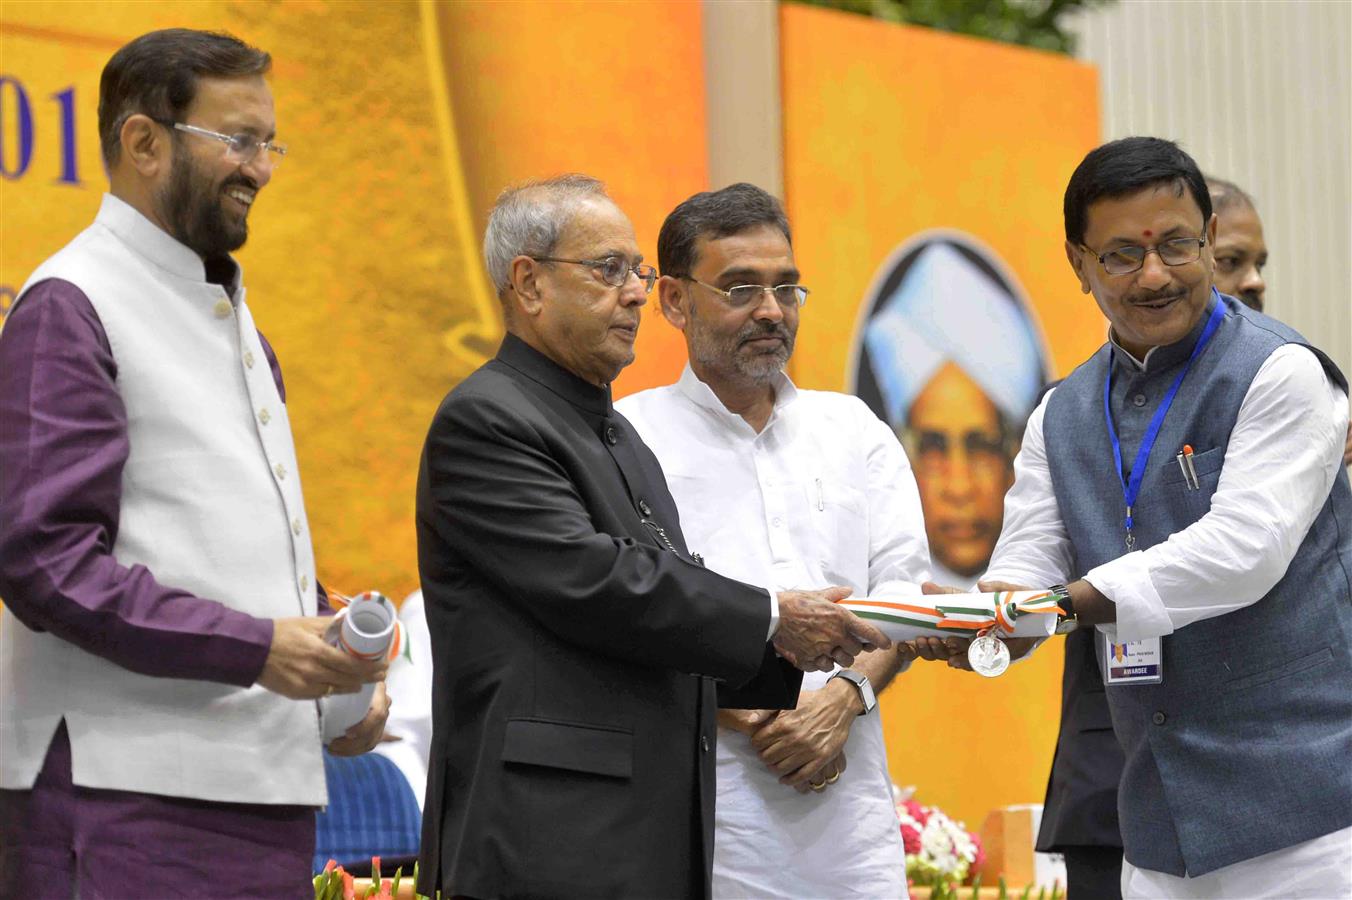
(1132, 489)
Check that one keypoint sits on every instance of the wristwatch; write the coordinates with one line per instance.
(1069, 621)
(860, 682)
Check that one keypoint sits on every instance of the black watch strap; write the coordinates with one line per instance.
(1063, 600)
(1069, 621)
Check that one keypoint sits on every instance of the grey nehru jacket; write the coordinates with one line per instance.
(1244, 748)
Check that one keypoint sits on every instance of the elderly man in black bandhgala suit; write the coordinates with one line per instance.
(572, 745)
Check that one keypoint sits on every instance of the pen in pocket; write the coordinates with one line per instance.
(1183, 467)
(1192, 470)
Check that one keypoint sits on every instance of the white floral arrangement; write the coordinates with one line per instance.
(939, 851)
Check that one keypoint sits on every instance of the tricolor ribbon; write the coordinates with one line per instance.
(961, 614)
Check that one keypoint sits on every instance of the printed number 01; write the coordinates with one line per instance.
(20, 123)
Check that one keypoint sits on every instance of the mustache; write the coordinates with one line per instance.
(241, 181)
(1154, 296)
(755, 330)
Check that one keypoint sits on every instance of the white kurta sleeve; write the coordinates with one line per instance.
(1280, 463)
(1034, 550)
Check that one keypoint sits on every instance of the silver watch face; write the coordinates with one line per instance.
(988, 656)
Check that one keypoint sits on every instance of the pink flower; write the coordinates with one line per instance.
(917, 812)
(911, 838)
(980, 859)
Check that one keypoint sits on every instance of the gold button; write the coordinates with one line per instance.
(264, 416)
(248, 359)
(295, 526)
(280, 470)
(304, 582)
(223, 309)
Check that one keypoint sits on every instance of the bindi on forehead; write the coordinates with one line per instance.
(1147, 233)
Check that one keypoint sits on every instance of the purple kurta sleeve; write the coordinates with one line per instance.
(63, 443)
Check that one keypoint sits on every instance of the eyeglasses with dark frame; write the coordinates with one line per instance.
(241, 147)
(742, 295)
(613, 270)
(1128, 259)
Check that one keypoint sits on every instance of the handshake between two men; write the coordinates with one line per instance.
(815, 633)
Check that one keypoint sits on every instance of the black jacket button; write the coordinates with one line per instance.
(612, 436)
(1158, 718)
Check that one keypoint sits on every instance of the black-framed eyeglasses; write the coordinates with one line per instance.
(613, 270)
(1174, 252)
(742, 295)
(241, 148)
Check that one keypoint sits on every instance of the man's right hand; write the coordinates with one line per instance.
(303, 666)
(814, 633)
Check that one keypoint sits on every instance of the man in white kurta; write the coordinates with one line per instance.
(792, 488)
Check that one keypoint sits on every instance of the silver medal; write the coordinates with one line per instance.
(988, 656)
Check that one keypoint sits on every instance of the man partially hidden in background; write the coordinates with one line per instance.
(155, 561)
(782, 486)
(1241, 253)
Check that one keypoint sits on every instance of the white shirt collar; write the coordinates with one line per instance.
(1127, 355)
(703, 396)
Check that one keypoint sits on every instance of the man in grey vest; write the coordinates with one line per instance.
(1187, 482)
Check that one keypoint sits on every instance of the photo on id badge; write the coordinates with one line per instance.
(1133, 662)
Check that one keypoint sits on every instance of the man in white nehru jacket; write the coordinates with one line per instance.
(162, 646)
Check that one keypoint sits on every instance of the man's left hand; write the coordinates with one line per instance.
(798, 743)
(365, 734)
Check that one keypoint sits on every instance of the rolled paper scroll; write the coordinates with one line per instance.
(1003, 613)
(367, 628)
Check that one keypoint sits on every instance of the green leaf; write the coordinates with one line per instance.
(1031, 24)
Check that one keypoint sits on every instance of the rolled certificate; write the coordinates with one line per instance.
(367, 628)
(1004, 613)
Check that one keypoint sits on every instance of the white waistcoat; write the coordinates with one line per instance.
(211, 504)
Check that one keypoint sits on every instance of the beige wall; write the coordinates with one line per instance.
(741, 83)
(1259, 92)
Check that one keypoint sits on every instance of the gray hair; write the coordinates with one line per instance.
(527, 220)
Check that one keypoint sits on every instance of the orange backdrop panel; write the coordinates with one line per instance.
(890, 131)
(542, 88)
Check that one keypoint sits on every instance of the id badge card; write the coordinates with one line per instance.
(1135, 662)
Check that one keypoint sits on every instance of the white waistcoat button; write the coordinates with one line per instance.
(248, 359)
(223, 309)
(280, 470)
(264, 416)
